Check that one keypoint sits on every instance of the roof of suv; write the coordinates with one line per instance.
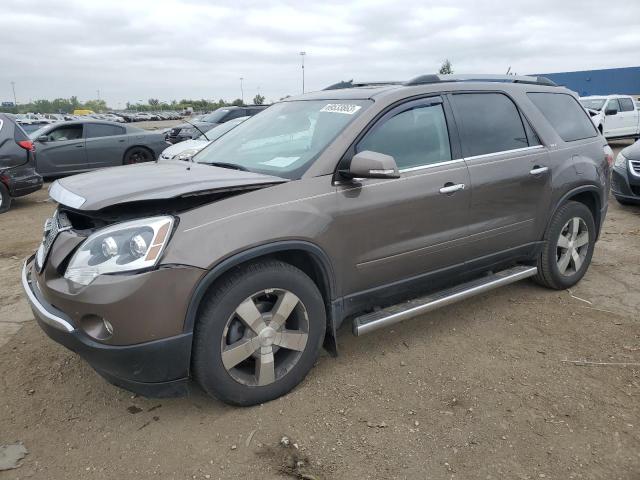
(424, 83)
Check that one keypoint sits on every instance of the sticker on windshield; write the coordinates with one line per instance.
(280, 161)
(341, 108)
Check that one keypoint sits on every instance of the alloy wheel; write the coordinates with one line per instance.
(572, 246)
(264, 337)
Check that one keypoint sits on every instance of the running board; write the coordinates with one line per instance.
(397, 313)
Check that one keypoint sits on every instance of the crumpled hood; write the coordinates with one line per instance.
(150, 181)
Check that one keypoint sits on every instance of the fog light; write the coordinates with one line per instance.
(96, 327)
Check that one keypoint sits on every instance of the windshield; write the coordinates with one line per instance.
(214, 117)
(285, 138)
(593, 103)
(219, 130)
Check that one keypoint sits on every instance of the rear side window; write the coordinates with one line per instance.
(489, 123)
(415, 137)
(565, 115)
(95, 130)
(626, 104)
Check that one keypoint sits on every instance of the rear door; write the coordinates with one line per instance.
(106, 144)
(508, 169)
(63, 152)
(394, 229)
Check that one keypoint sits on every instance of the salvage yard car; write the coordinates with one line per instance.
(18, 175)
(72, 147)
(615, 116)
(187, 149)
(369, 205)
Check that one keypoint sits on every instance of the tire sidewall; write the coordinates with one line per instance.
(6, 198)
(208, 367)
(567, 212)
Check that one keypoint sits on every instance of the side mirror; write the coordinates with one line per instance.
(611, 111)
(43, 138)
(368, 164)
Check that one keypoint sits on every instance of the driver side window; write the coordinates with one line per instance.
(415, 137)
(68, 132)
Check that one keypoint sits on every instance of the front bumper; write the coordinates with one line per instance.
(157, 368)
(625, 185)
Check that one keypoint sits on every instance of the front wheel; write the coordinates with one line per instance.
(568, 248)
(258, 333)
(137, 155)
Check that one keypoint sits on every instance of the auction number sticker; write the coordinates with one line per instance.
(341, 108)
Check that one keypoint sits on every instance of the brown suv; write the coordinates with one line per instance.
(371, 204)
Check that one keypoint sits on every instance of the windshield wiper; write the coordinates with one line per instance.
(232, 166)
(194, 126)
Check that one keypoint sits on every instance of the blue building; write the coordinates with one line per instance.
(625, 81)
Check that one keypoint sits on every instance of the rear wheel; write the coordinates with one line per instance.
(137, 155)
(258, 333)
(5, 198)
(569, 244)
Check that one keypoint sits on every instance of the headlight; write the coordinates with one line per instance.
(186, 154)
(621, 161)
(123, 247)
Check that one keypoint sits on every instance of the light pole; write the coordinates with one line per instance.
(302, 54)
(13, 87)
(241, 90)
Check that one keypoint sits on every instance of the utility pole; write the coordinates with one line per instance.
(98, 92)
(241, 90)
(302, 54)
(13, 87)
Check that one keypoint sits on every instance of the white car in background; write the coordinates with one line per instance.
(187, 149)
(616, 116)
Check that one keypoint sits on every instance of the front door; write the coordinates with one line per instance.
(63, 152)
(509, 172)
(613, 124)
(628, 116)
(394, 229)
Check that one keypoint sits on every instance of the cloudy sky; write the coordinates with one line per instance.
(136, 49)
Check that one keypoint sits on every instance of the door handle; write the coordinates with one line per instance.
(451, 188)
(80, 146)
(537, 170)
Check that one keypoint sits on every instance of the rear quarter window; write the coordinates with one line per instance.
(565, 115)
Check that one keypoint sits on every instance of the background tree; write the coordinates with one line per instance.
(154, 102)
(446, 68)
(237, 102)
(258, 99)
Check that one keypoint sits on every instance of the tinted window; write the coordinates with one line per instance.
(565, 115)
(415, 137)
(490, 122)
(100, 130)
(626, 104)
(613, 105)
(70, 132)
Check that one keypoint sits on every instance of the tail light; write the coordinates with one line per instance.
(608, 155)
(27, 145)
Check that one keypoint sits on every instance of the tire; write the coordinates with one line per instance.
(254, 375)
(137, 155)
(5, 198)
(554, 270)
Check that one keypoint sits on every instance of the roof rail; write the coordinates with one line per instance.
(352, 84)
(437, 78)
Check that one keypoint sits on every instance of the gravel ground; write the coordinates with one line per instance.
(498, 386)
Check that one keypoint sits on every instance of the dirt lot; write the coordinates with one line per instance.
(494, 387)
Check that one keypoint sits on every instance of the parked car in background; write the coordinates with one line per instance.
(186, 131)
(18, 175)
(187, 149)
(625, 181)
(616, 116)
(78, 146)
(370, 205)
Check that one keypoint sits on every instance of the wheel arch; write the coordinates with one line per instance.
(306, 256)
(589, 195)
